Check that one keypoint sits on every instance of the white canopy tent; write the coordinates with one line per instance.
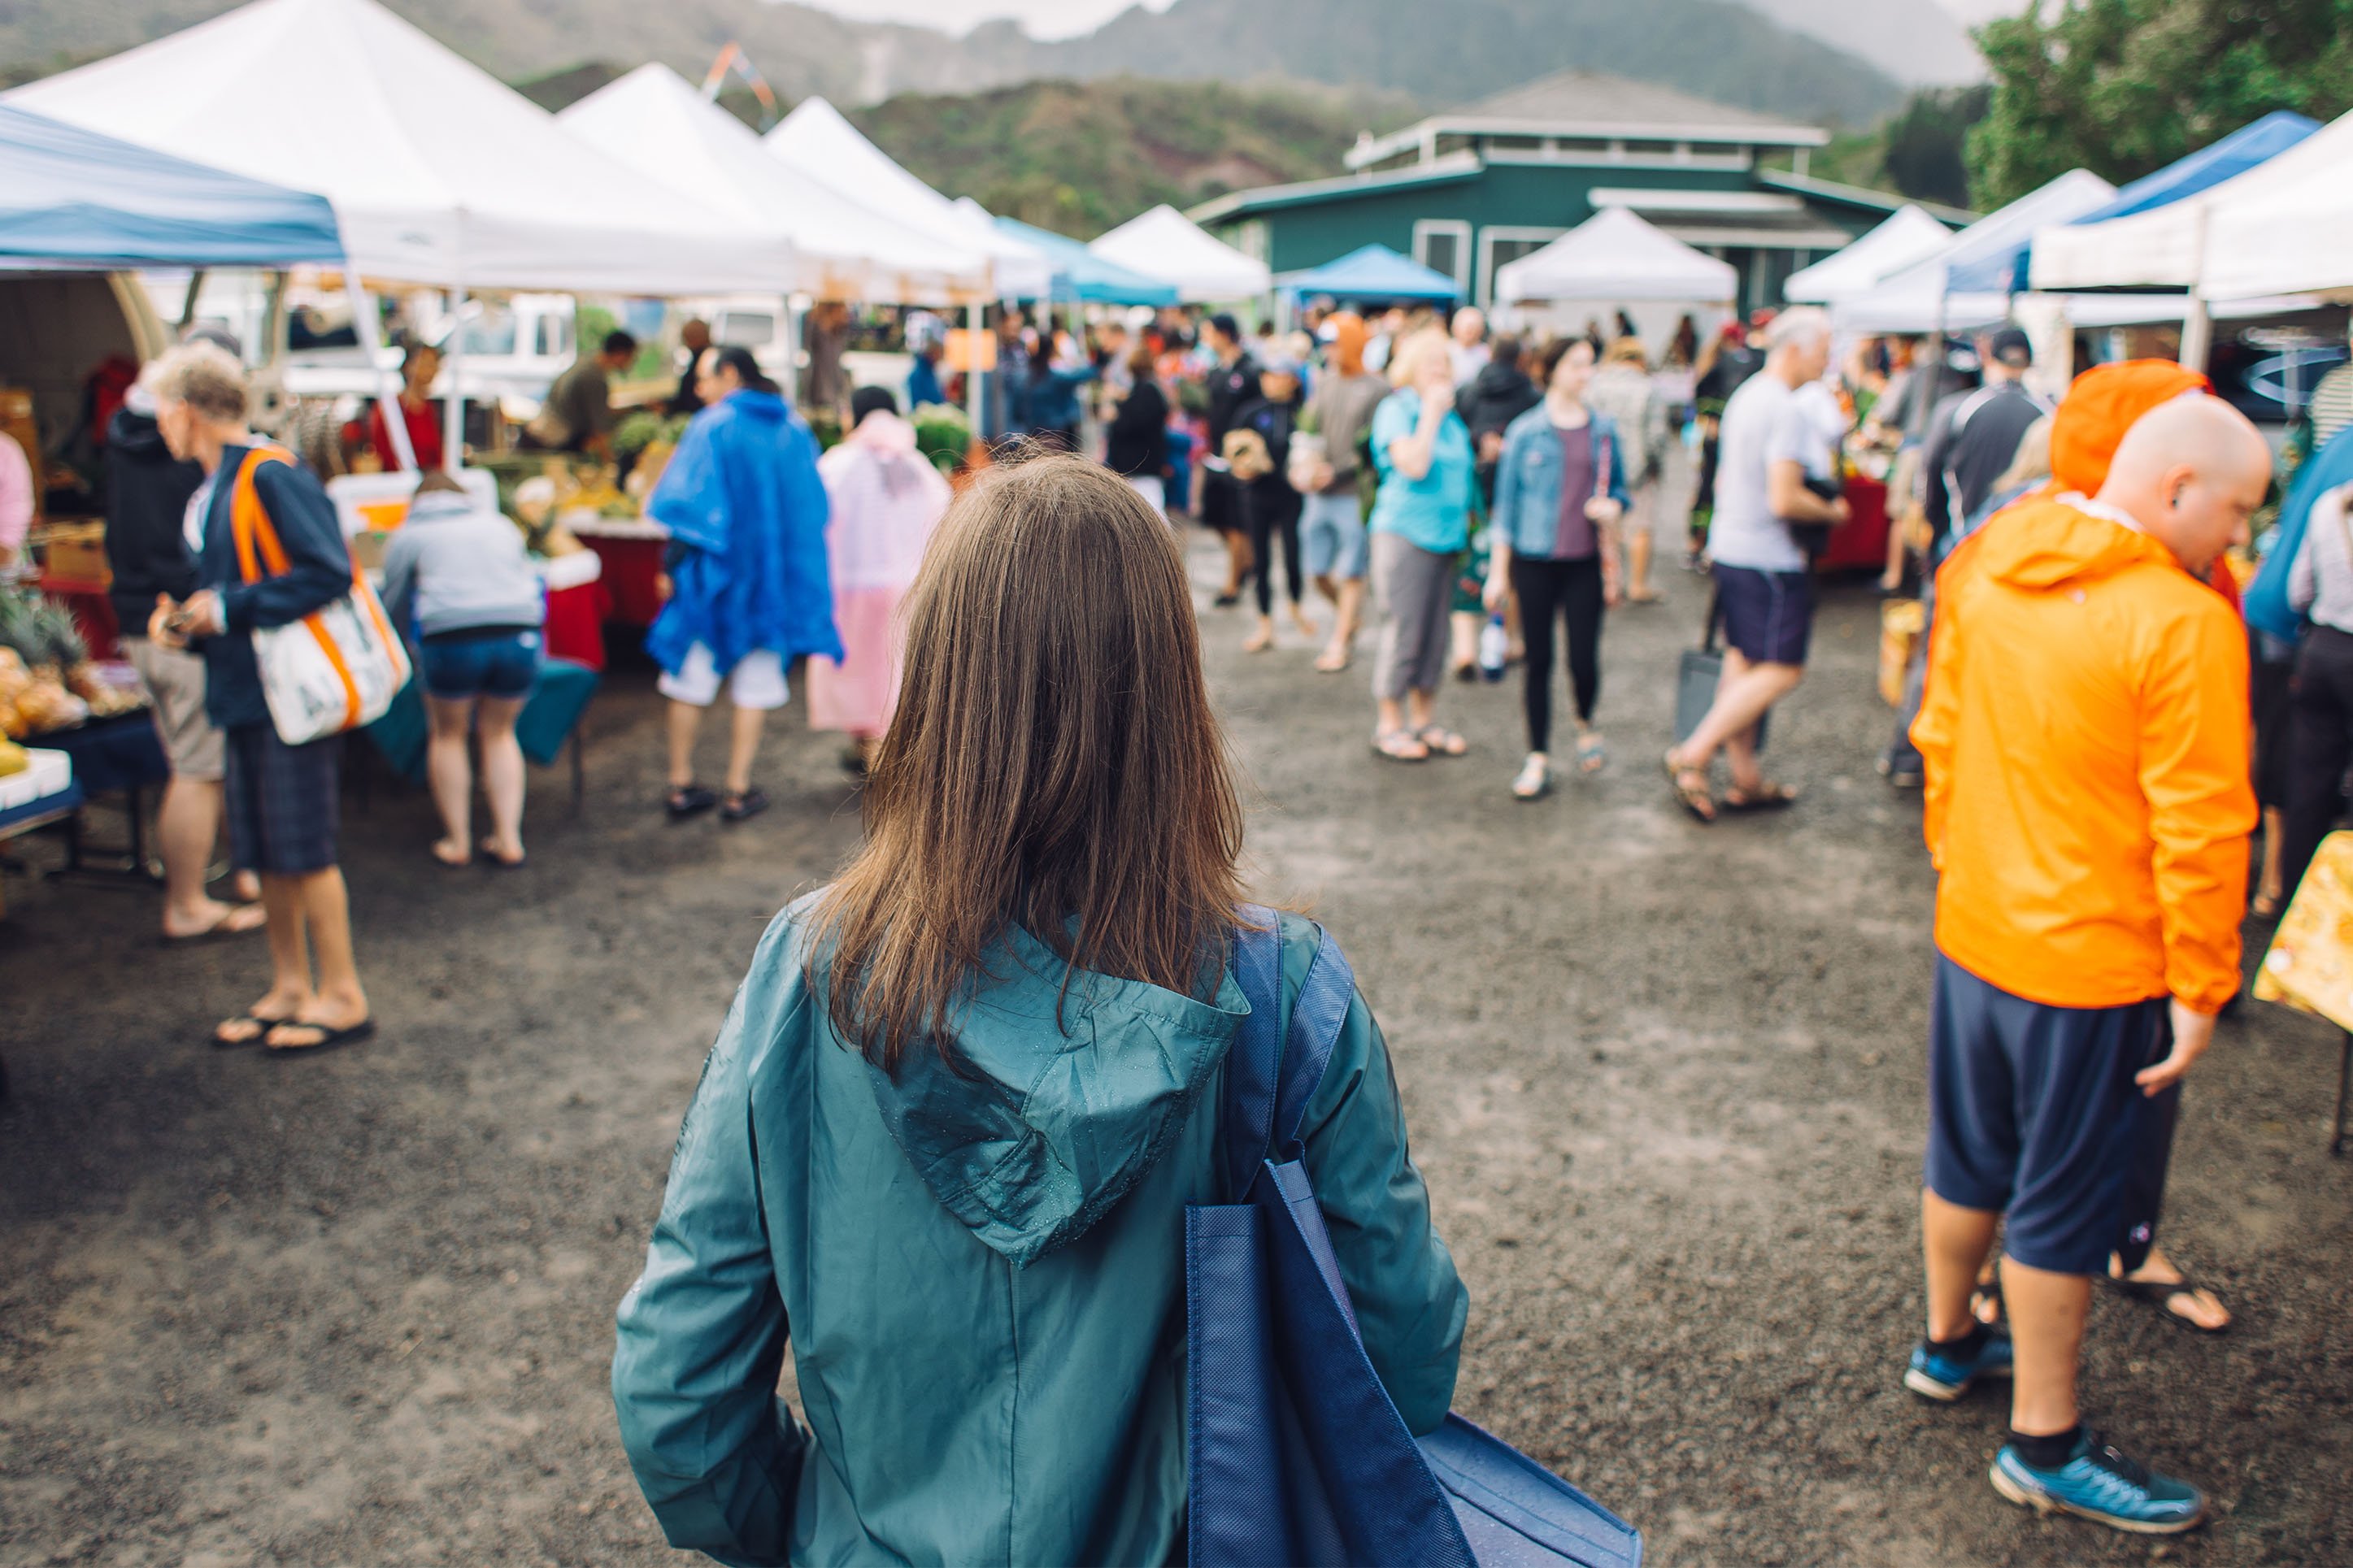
(439, 174)
(1166, 244)
(2264, 232)
(818, 142)
(1910, 234)
(1617, 255)
(1915, 298)
(652, 121)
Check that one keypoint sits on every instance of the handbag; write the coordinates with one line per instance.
(1697, 676)
(336, 668)
(1296, 1453)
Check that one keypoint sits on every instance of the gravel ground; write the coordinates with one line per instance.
(1666, 1084)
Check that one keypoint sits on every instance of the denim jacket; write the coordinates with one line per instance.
(1528, 479)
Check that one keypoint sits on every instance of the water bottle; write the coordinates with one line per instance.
(1494, 647)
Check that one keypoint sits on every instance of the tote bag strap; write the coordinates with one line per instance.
(1270, 1079)
(259, 551)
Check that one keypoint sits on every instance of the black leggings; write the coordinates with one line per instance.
(1269, 515)
(2319, 743)
(1547, 589)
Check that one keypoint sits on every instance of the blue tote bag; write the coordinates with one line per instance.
(1296, 1455)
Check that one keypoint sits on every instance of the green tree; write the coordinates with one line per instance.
(2125, 87)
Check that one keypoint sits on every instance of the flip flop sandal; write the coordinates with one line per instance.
(1394, 744)
(1543, 786)
(1766, 797)
(329, 1038)
(1987, 1293)
(1441, 741)
(1592, 755)
(2160, 1294)
(1325, 664)
(497, 862)
(266, 1025)
(219, 930)
(736, 807)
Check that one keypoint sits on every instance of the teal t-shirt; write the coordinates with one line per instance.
(1432, 513)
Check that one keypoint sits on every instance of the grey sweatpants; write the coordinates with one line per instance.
(1413, 587)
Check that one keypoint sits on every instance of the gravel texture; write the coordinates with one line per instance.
(1666, 1083)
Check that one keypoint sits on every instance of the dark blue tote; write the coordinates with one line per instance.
(1296, 1455)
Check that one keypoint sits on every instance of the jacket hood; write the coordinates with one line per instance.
(1497, 377)
(2101, 404)
(436, 505)
(1040, 1127)
(137, 437)
(752, 403)
(2044, 544)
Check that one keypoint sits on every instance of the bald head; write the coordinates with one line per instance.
(2191, 472)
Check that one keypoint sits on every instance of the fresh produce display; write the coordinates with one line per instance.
(47, 678)
(13, 758)
(645, 428)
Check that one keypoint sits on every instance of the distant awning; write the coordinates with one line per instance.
(1082, 276)
(1374, 273)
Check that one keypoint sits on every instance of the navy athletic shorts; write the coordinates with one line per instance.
(2032, 1113)
(1767, 616)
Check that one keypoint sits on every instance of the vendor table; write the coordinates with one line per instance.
(92, 610)
(631, 550)
(1862, 539)
(119, 754)
(39, 812)
(578, 604)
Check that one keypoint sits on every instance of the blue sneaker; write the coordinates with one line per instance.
(1947, 1374)
(2100, 1483)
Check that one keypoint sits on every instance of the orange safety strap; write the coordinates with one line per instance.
(256, 536)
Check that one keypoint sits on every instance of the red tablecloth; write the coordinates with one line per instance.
(1862, 539)
(92, 611)
(575, 624)
(631, 567)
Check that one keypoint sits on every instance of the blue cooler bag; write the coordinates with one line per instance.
(1296, 1456)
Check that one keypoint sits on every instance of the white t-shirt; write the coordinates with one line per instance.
(1765, 422)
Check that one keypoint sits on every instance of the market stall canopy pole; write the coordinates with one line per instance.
(654, 122)
(815, 139)
(70, 197)
(439, 173)
(1166, 244)
(387, 392)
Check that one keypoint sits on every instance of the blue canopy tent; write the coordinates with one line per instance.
(1082, 277)
(2005, 271)
(1372, 274)
(73, 199)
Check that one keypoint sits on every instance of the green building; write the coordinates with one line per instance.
(1467, 190)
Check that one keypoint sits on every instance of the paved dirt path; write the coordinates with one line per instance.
(1665, 1082)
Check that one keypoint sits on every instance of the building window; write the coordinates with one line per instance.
(1251, 239)
(1515, 144)
(1443, 244)
(1650, 149)
(1449, 142)
(1500, 245)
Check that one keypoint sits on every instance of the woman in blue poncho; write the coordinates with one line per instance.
(749, 590)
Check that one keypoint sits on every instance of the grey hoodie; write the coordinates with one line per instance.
(459, 567)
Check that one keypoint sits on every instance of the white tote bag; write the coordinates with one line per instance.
(336, 668)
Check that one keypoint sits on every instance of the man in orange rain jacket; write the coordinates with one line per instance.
(2086, 735)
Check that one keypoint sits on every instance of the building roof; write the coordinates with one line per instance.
(1589, 104)
(1241, 204)
(1837, 194)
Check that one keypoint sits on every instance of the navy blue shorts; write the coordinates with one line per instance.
(2034, 1114)
(1767, 616)
(497, 661)
(283, 807)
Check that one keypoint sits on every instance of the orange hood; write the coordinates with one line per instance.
(2099, 407)
(2042, 544)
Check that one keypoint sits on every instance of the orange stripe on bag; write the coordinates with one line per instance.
(254, 533)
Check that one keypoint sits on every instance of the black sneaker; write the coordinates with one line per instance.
(692, 801)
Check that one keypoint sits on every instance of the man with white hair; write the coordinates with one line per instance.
(1772, 469)
(2088, 808)
(1467, 344)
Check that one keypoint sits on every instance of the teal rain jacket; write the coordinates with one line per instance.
(981, 1278)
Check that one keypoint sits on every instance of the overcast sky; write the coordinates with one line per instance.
(1068, 19)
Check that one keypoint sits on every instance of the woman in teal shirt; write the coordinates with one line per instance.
(943, 1148)
(1421, 522)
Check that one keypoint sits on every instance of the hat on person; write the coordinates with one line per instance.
(2103, 403)
(1278, 362)
(2012, 346)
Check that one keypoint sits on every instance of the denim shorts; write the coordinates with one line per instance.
(1331, 534)
(495, 661)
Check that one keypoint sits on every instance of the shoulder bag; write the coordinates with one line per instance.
(336, 668)
(1296, 1454)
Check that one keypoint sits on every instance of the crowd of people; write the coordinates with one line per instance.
(2087, 714)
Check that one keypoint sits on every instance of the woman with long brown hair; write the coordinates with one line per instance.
(945, 1144)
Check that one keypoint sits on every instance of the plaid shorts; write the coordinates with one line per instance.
(282, 802)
